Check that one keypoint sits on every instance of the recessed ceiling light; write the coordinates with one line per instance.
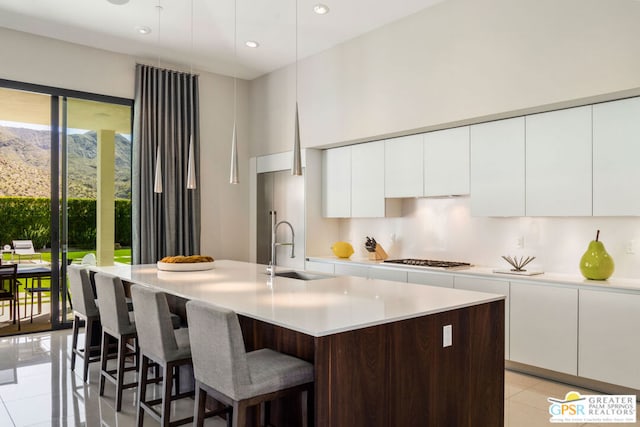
(251, 43)
(144, 30)
(118, 2)
(321, 9)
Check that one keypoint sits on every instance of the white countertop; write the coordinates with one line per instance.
(315, 307)
(482, 271)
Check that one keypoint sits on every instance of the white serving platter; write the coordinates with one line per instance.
(185, 266)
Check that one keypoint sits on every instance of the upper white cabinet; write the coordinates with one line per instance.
(403, 167)
(353, 182)
(544, 326)
(446, 162)
(497, 168)
(336, 182)
(367, 180)
(616, 153)
(609, 350)
(558, 163)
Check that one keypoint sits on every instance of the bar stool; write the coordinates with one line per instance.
(159, 343)
(84, 309)
(223, 368)
(118, 323)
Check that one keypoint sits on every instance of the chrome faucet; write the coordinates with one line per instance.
(271, 269)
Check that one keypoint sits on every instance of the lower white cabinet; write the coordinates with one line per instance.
(609, 346)
(544, 326)
(351, 270)
(388, 274)
(320, 267)
(432, 279)
(500, 287)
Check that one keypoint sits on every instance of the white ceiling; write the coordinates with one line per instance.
(101, 24)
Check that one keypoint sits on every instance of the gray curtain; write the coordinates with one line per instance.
(165, 115)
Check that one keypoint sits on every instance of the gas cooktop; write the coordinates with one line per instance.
(429, 263)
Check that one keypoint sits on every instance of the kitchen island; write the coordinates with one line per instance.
(378, 347)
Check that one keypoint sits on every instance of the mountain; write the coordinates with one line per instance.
(25, 163)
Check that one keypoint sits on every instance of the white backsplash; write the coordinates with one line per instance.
(444, 229)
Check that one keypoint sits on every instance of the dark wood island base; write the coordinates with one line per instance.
(399, 374)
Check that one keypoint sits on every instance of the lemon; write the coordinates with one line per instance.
(342, 249)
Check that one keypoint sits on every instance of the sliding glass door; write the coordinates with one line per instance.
(65, 163)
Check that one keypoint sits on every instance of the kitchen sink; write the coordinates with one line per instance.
(301, 275)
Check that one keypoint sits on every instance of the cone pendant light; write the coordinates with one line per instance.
(296, 167)
(191, 162)
(233, 174)
(191, 168)
(157, 182)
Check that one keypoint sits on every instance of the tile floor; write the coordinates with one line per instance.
(37, 388)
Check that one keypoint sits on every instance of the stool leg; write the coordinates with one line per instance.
(74, 341)
(122, 349)
(88, 332)
(166, 395)
(198, 410)
(104, 354)
(142, 388)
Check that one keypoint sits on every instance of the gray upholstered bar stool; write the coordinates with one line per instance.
(117, 323)
(159, 343)
(84, 310)
(224, 370)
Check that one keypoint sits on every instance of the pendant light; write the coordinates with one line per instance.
(233, 174)
(157, 182)
(296, 167)
(191, 164)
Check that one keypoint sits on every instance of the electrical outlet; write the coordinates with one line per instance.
(631, 247)
(520, 242)
(447, 336)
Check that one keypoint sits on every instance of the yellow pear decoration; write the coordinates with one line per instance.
(596, 264)
(342, 249)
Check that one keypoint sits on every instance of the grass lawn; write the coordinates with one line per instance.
(121, 255)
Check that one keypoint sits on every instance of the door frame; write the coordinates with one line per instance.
(58, 188)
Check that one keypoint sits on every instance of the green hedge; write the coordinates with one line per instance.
(29, 218)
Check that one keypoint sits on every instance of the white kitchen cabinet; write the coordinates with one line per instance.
(388, 274)
(351, 270)
(616, 152)
(497, 168)
(403, 166)
(558, 163)
(544, 326)
(446, 162)
(320, 267)
(609, 347)
(336, 182)
(353, 183)
(444, 280)
(492, 286)
(367, 182)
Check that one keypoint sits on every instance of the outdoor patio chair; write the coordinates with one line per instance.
(24, 248)
(9, 289)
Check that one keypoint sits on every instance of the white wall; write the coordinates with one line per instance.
(225, 218)
(462, 61)
(442, 228)
(457, 61)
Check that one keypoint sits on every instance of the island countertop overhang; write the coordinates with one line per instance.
(316, 307)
